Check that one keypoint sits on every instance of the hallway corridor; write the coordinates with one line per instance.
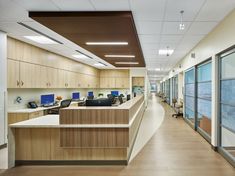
(174, 150)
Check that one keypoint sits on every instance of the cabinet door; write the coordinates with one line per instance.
(11, 48)
(26, 75)
(36, 76)
(43, 77)
(107, 82)
(61, 78)
(13, 73)
(122, 83)
(72, 80)
(79, 80)
(52, 76)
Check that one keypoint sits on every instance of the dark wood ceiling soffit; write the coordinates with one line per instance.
(82, 27)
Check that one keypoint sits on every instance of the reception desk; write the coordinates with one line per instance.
(79, 135)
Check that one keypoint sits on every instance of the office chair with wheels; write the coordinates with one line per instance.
(112, 98)
(90, 97)
(178, 109)
(120, 99)
(63, 104)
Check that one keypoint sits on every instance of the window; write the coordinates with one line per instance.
(227, 103)
(189, 96)
(204, 97)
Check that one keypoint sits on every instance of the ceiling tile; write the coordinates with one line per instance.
(201, 28)
(148, 10)
(148, 27)
(171, 38)
(150, 46)
(111, 5)
(149, 38)
(172, 28)
(190, 7)
(215, 10)
(74, 5)
(37, 5)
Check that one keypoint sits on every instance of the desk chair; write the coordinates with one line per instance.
(164, 98)
(90, 97)
(112, 98)
(120, 99)
(178, 109)
(63, 104)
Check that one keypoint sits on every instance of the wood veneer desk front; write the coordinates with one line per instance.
(79, 135)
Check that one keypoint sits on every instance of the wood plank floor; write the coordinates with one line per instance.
(174, 150)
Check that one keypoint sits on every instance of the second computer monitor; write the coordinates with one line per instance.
(76, 95)
(47, 99)
(115, 93)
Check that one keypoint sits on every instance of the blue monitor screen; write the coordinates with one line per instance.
(47, 99)
(75, 95)
(90, 94)
(115, 93)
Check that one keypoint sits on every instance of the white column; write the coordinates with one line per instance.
(214, 101)
(3, 103)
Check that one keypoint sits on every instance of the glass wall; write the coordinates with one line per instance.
(175, 87)
(189, 95)
(204, 97)
(167, 90)
(227, 103)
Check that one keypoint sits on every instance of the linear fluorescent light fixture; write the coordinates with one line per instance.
(41, 39)
(80, 56)
(106, 43)
(120, 56)
(127, 63)
(44, 38)
(167, 52)
(99, 64)
(85, 56)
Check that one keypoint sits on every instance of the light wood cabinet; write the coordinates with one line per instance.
(13, 70)
(107, 82)
(52, 75)
(138, 81)
(26, 75)
(122, 83)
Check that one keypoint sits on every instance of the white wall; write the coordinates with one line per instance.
(141, 72)
(3, 89)
(221, 38)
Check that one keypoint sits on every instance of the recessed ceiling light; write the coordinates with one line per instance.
(106, 43)
(41, 39)
(167, 52)
(127, 56)
(157, 69)
(127, 63)
(80, 56)
(99, 64)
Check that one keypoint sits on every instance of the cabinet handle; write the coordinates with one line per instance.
(18, 83)
(22, 83)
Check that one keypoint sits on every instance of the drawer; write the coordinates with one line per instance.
(35, 114)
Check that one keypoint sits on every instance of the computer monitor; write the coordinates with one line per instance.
(99, 102)
(76, 95)
(90, 94)
(47, 99)
(115, 93)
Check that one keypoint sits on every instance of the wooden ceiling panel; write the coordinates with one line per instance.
(82, 27)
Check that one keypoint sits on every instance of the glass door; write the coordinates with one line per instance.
(227, 105)
(204, 99)
(189, 96)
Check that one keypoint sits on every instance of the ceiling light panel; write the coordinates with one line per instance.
(41, 39)
(127, 63)
(106, 43)
(80, 56)
(165, 52)
(120, 56)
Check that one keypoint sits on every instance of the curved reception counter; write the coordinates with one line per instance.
(78, 135)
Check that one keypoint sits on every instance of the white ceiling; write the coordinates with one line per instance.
(157, 23)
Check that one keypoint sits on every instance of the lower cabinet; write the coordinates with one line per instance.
(18, 117)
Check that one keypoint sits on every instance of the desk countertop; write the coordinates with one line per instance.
(28, 110)
(52, 121)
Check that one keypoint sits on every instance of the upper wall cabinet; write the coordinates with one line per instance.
(138, 81)
(114, 79)
(33, 67)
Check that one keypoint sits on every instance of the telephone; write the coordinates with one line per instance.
(32, 104)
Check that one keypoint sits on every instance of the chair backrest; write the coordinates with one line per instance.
(120, 99)
(65, 103)
(90, 97)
